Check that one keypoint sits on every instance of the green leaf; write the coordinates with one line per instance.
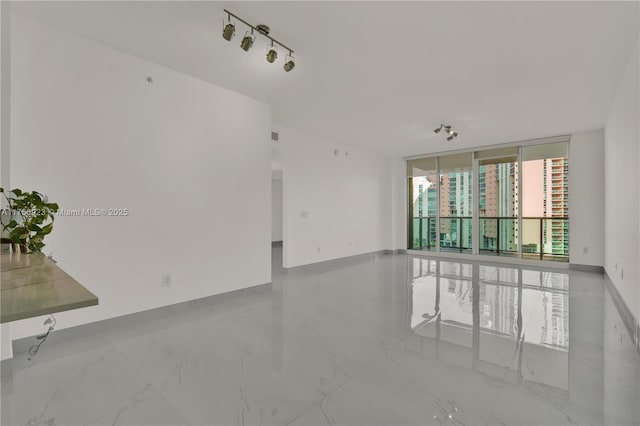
(32, 226)
(18, 235)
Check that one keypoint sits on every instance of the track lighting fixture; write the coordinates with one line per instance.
(447, 128)
(247, 41)
(228, 30)
(289, 63)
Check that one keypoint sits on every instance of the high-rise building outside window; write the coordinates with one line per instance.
(545, 202)
(456, 203)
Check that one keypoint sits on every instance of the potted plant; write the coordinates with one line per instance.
(29, 218)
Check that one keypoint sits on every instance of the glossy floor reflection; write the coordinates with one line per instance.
(390, 340)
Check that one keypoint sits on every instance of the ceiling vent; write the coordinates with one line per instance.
(274, 136)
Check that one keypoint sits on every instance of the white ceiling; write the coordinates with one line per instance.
(382, 75)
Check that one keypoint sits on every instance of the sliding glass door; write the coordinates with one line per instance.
(456, 203)
(423, 196)
(507, 202)
(498, 201)
(545, 202)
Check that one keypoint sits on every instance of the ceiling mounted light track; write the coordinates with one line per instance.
(448, 130)
(229, 29)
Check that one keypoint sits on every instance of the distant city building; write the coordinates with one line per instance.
(498, 197)
(546, 186)
(456, 198)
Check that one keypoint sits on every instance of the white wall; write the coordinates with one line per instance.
(622, 183)
(586, 198)
(5, 90)
(91, 132)
(276, 209)
(6, 350)
(345, 198)
(398, 183)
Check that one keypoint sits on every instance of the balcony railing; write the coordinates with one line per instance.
(540, 233)
(499, 235)
(542, 237)
(537, 235)
(424, 233)
(455, 233)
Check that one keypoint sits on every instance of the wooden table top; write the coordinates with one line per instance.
(32, 285)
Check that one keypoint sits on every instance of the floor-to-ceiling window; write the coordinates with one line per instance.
(423, 196)
(498, 201)
(545, 201)
(510, 201)
(456, 202)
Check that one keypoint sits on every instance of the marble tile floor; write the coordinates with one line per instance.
(385, 340)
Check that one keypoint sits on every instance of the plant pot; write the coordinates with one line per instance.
(20, 248)
(5, 245)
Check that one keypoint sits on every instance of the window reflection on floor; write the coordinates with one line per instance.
(512, 318)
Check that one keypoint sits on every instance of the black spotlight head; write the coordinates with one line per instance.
(436, 131)
(449, 138)
(290, 64)
(229, 31)
(272, 55)
(247, 42)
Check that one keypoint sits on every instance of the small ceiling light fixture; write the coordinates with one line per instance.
(448, 130)
(248, 40)
(289, 62)
(272, 53)
(228, 30)
(263, 29)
